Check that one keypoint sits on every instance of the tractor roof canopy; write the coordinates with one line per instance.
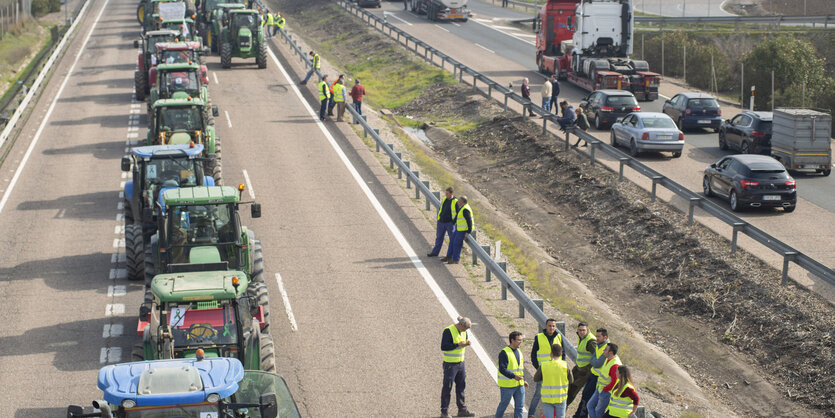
(230, 6)
(193, 101)
(170, 382)
(180, 66)
(178, 46)
(203, 195)
(200, 286)
(167, 151)
(161, 32)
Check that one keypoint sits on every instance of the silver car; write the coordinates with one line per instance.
(648, 131)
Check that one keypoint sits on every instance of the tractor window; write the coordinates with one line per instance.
(184, 411)
(181, 81)
(195, 226)
(171, 172)
(176, 57)
(193, 327)
(244, 19)
(180, 118)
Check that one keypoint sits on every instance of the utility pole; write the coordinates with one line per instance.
(772, 90)
(753, 91)
(742, 85)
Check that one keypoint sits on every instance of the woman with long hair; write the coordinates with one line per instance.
(624, 400)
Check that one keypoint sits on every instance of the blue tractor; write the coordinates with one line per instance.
(189, 388)
(154, 169)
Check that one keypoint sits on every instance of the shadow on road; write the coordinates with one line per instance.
(95, 205)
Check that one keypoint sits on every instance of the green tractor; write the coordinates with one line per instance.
(147, 58)
(148, 12)
(199, 229)
(209, 15)
(242, 37)
(184, 26)
(180, 81)
(184, 121)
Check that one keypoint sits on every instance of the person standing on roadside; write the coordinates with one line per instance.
(317, 64)
(446, 221)
(324, 97)
(554, 378)
(546, 97)
(504, 3)
(624, 401)
(541, 354)
(511, 376)
(526, 94)
(279, 23)
(607, 375)
(453, 344)
(586, 345)
(356, 95)
(464, 225)
(555, 92)
(332, 103)
(582, 123)
(340, 93)
(269, 24)
(597, 360)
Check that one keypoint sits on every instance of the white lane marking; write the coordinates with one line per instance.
(120, 217)
(508, 34)
(112, 330)
(119, 229)
(214, 75)
(441, 28)
(116, 290)
(228, 120)
(413, 257)
(110, 355)
(117, 258)
(455, 24)
(118, 243)
(113, 309)
(49, 112)
(395, 16)
(118, 273)
(286, 300)
(485, 48)
(249, 185)
(483, 20)
(120, 205)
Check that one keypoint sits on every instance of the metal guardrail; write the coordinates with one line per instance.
(429, 53)
(825, 20)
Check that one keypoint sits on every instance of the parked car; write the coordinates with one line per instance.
(648, 131)
(748, 132)
(694, 110)
(605, 107)
(368, 3)
(751, 181)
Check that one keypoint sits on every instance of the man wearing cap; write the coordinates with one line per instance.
(453, 344)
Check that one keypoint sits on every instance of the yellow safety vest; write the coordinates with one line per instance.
(451, 205)
(603, 380)
(598, 352)
(513, 367)
(338, 93)
(316, 63)
(543, 355)
(583, 356)
(620, 406)
(280, 22)
(554, 381)
(460, 221)
(457, 355)
(270, 19)
(324, 91)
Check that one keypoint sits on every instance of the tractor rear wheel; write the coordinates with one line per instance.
(267, 353)
(213, 167)
(258, 291)
(134, 252)
(257, 272)
(150, 268)
(128, 212)
(226, 55)
(137, 352)
(140, 85)
(261, 59)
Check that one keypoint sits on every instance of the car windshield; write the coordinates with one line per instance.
(658, 123)
(244, 19)
(773, 174)
(181, 81)
(709, 103)
(256, 383)
(176, 57)
(193, 327)
(180, 118)
(198, 226)
(621, 101)
(171, 172)
(179, 411)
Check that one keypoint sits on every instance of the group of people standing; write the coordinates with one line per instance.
(455, 220)
(273, 22)
(550, 100)
(334, 94)
(605, 384)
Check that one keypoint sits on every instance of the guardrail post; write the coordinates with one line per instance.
(460, 73)
(593, 147)
(506, 95)
(391, 161)
(738, 226)
(544, 123)
(437, 196)
(475, 79)
(417, 194)
(490, 90)
(526, 109)
(521, 284)
(693, 202)
(655, 180)
(540, 304)
(622, 161)
(787, 257)
(486, 249)
(400, 170)
(408, 183)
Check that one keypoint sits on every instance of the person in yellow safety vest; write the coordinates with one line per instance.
(541, 354)
(586, 345)
(332, 103)
(269, 23)
(324, 96)
(511, 376)
(339, 95)
(553, 376)
(317, 64)
(454, 342)
(445, 222)
(607, 375)
(624, 401)
(464, 225)
(597, 360)
(279, 23)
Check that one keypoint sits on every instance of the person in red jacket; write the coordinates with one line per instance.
(356, 95)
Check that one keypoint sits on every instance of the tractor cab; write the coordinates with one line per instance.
(178, 52)
(243, 37)
(243, 25)
(148, 10)
(180, 121)
(184, 26)
(178, 81)
(189, 388)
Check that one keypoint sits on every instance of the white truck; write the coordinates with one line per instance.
(453, 10)
(801, 139)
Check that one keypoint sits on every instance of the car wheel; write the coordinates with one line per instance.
(746, 149)
(789, 209)
(597, 121)
(827, 172)
(734, 201)
(723, 144)
(677, 154)
(612, 139)
(706, 187)
(633, 148)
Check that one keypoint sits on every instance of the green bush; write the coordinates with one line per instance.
(42, 7)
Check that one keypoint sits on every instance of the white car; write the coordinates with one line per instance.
(648, 131)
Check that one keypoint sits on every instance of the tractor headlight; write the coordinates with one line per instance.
(213, 398)
(128, 403)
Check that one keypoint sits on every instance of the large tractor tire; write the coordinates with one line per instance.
(226, 55)
(137, 352)
(134, 252)
(261, 59)
(150, 268)
(190, 8)
(258, 271)
(213, 167)
(258, 291)
(140, 85)
(128, 212)
(267, 353)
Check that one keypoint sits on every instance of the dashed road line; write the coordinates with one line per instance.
(286, 300)
(214, 75)
(228, 120)
(485, 48)
(112, 330)
(395, 16)
(442, 28)
(110, 355)
(249, 185)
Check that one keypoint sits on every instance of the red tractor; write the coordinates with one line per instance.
(179, 53)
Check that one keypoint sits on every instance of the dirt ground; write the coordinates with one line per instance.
(678, 285)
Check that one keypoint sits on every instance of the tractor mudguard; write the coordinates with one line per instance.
(140, 61)
(129, 190)
(152, 76)
(252, 355)
(210, 140)
(148, 138)
(208, 181)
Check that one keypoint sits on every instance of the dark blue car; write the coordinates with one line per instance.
(694, 110)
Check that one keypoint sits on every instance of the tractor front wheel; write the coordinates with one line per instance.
(134, 252)
(137, 353)
(226, 55)
(258, 292)
(150, 268)
(261, 59)
(267, 353)
(140, 85)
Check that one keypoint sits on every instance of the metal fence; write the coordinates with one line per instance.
(428, 53)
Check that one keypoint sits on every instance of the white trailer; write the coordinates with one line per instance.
(441, 9)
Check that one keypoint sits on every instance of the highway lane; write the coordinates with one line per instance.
(654, 7)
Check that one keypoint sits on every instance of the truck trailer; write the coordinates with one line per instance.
(441, 10)
(801, 139)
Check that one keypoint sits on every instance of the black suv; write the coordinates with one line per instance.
(748, 132)
(605, 107)
(751, 181)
